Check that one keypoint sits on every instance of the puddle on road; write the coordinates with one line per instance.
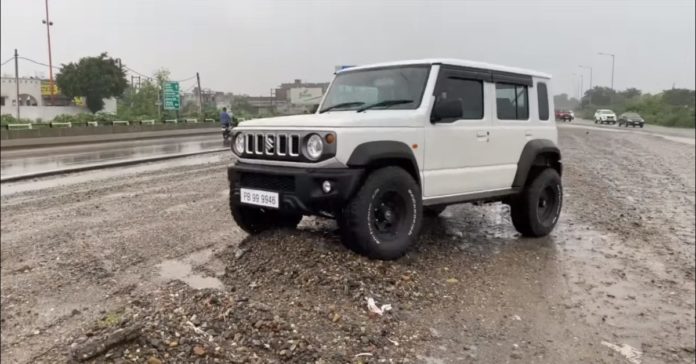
(182, 270)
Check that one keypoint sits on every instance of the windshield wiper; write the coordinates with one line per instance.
(384, 103)
(343, 104)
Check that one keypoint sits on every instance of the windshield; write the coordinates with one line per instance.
(353, 90)
(606, 112)
(631, 115)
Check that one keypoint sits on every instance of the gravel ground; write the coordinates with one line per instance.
(149, 267)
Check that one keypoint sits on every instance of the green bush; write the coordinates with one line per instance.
(10, 119)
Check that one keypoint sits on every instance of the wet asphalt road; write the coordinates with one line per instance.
(25, 161)
(614, 282)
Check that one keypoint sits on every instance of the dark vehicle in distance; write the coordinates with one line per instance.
(565, 115)
(632, 119)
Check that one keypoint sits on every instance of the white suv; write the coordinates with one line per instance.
(391, 142)
(604, 116)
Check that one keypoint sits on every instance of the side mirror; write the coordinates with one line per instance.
(446, 109)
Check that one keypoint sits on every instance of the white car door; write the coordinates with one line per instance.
(458, 158)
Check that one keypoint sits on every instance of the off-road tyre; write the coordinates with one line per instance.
(536, 209)
(383, 219)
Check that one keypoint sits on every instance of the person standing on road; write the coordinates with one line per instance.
(225, 118)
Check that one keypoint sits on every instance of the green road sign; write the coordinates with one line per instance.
(170, 92)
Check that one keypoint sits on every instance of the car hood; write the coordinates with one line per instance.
(370, 118)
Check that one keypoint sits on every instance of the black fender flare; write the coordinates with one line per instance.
(531, 150)
(367, 153)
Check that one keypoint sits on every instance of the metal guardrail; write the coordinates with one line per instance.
(171, 121)
(92, 123)
(19, 126)
(191, 121)
(209, 120)
(147, 122)
(120, 122)
(61, 125)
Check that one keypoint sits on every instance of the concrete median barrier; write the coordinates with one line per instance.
(61, 125)
(19, 126)
(93, 123)
(120, 122)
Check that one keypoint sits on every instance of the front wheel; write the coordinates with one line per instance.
(383, 219)
(535, 211)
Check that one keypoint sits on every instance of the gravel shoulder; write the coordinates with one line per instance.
(158, 249)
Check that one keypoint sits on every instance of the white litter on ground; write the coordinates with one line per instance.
(629, 352)
(372, 306)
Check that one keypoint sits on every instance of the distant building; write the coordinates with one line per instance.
(35, 101)
(284, 92)
(289, 98)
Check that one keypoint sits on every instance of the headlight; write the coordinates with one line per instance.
(315, 147)
(239, 144)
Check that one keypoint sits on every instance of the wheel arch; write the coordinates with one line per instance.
(536, 155)
(382, 153)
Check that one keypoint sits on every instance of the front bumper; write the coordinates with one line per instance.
(299, 189)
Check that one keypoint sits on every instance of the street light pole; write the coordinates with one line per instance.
(17, 81)
(589, 68)
(48, 23)
(613, 56)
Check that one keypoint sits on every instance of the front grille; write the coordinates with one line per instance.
(271, 144)
(268, 182)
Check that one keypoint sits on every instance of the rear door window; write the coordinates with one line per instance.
(512, 101)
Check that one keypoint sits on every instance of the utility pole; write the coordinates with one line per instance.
(48, 23)
(581, 86)
(200, 96)
(17, 81)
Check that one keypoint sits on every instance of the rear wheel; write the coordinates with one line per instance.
(255, 220)
(383, 219)
(535, 211)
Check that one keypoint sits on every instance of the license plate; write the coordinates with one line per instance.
(259, 198)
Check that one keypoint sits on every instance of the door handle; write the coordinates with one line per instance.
(527, 133)
(482, 134)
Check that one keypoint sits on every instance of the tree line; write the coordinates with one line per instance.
(673, 107)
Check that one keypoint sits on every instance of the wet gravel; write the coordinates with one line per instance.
(81, 263)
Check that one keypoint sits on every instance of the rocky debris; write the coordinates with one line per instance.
(97, 346)
(300, 296)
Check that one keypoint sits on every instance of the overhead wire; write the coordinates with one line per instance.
(37, 62)
(126, 67)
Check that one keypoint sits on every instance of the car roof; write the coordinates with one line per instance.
(452, 62)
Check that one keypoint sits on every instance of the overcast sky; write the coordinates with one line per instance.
(252, 46)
